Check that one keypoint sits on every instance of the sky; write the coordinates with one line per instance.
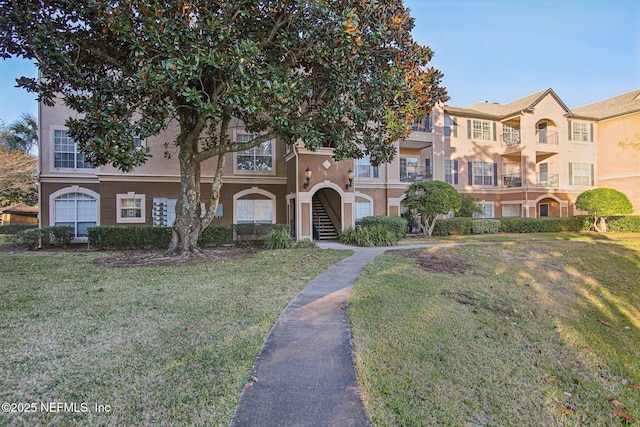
(492, 50)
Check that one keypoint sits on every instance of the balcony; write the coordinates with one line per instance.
(422, 124)
(549, 181)
(414, 174)
(509, 139)
(546, 137)
(511, 181)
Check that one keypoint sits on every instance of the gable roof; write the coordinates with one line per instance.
(20, 209)
(618, 105)
(501, 111)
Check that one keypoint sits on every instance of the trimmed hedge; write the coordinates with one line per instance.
(60, 235)
(14, 228)
(368, 236)
(147, 237)
(394, 224)
(485, 226)
(257, 231)
(625, 224)
(544, 225)
(447, 227)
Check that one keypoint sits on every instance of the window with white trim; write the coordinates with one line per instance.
(481, 129)
(76, 210)
(451, 171)
(66, 153)
(580, 131)
(482, 173)
(130, 208)
(254, 211)
(363, 209)
(259, 158)
(487, 210)
(362, 168)
(512, 211)
(581, 174)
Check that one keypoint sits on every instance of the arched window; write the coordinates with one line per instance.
(76, 210)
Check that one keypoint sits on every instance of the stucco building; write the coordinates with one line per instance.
(529, 158)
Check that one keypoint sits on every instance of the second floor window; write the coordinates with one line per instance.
(259, 158)
(581, 174)
(479, 129)
(363, 168)
(66, 153)
(482, 173)
(451, 171)
(581, 131)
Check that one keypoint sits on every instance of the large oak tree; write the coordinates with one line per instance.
(338, 73)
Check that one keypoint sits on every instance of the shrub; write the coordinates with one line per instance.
(213, 235)
(485, 226)
(257, 231)
(27, 238)
(124, 237)
(305, 244)
(395, 224)
(544, 225)
(625, 224)
(279, 239)
(447, 227)
(60, 235)
(14, 228)
(368, 236)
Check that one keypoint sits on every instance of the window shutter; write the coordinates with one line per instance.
(591, 134)
(468, 129)
(569, 129)
(494, 131)
(455, 172)
(592, 175)
(470, 166)
(427, 167)
(454, 128)
(495, 174)
(375, 172)
(570, 173)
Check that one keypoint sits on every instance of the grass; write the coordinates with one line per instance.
(159, 346)
(518, 333)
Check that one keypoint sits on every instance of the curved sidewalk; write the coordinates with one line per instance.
(304, 374)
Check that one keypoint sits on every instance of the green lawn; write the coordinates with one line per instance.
(156, 346)
(544, 330)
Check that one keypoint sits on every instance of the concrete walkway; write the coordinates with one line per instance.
(304, 374)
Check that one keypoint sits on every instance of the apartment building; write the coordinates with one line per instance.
(529, 158)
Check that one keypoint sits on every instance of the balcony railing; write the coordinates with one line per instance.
(546, 137)
(422, 124)
(512, 180)
(510, 139)
(416, 174)
(546, 180)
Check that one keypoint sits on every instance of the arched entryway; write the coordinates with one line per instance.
(326, 214)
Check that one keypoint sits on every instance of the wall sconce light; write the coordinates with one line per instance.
(350, 178)
(307, 176)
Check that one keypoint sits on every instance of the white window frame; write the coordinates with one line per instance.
(512, 206)
(580, 131)
(246, 195)
(448, 171)
(487, 210)
(120, 198)
(243, 135)
(362, 206)
(479, 173)
(54, 131)
(362, 168)
(578, 175)
(481, 129)
(70, 190)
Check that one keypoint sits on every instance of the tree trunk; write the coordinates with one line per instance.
(188, 223)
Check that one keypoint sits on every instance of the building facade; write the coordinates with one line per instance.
(528, 158)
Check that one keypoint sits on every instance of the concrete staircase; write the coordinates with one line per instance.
(322, 225)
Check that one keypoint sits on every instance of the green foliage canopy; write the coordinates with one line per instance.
(346, 75)
(602, 203)
(428, 199)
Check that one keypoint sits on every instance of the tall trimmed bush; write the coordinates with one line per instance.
(395, 224)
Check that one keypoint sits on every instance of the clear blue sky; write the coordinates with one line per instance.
(493, 50)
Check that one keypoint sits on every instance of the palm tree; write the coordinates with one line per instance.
(22, 134)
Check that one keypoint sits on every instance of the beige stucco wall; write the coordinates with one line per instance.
(619, 156)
